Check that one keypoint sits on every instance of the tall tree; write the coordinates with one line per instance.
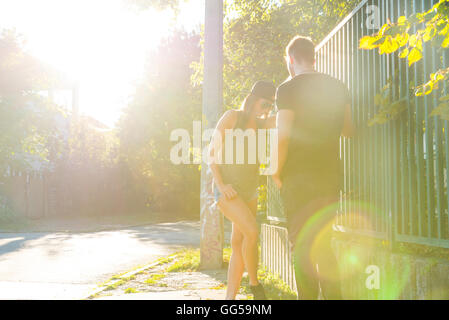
(257, 32)
(164, 101)
(28, 121)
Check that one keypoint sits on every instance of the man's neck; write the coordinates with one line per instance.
(299, 69)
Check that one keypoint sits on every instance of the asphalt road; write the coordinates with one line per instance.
(70, 265)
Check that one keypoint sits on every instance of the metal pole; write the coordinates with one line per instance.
(211, 246)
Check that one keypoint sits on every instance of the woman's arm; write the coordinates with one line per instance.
(270, 122)
(227, 121)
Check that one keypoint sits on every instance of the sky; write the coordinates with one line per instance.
(100, 43)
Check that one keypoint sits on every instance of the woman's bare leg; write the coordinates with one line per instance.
(238, 212)
(236, 263)
(252, 205)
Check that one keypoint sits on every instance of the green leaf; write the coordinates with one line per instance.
(404, 53)
(425, 90)
(413, 40)
(379, 41)
(383, 29)
(444, 30)
(414, 56)
(429, 33)
(443, 8)
(441, 25)
(402, 20)
(392, 31)
(430, 15)
(415, 18)
(438, 76)
(445, 43)
(402, 39)
(389, 46)
(367, 42)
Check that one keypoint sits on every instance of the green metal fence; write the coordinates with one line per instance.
(394, 174)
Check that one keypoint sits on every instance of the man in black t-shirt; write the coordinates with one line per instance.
(313, 112)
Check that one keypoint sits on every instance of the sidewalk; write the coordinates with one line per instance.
(172, 278)
(177, 277)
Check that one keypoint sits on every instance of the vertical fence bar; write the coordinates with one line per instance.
(419, 146)
(438, 174)
(446, 151)
(428, 140)
(402, 191)
(352, 206)
(360, 126)
(362, 108)
(412, 217)
(346, 173)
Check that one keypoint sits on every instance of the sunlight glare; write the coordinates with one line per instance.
(99, 43)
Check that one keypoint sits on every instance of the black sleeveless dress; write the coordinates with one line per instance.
(244, 177)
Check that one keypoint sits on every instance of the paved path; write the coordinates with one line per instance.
(70, 265)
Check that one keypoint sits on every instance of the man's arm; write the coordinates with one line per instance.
(284, 123)
(348, 126)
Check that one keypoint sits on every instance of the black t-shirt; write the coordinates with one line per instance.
(318, 101)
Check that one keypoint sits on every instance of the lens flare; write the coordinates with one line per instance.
(356, 258)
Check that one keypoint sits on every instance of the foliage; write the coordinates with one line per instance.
(164, 101)
(186, 261)
(275, 288)
(431, 27)
(256, 34)
(134, 161)
(77, 157)
(28, 121)
(387, 109)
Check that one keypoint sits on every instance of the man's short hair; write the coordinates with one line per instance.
(302, 49)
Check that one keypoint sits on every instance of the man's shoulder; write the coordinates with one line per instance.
(286, 84)
(333, 80)
(318, 76)
(287, 87)
(306, 78)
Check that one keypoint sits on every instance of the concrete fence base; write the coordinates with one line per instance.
(368, 270)
(374, 272)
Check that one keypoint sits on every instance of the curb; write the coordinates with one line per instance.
(80, 231)
(105, 229)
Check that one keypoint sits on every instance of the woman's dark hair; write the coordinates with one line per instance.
(260, 90)
(246, 109)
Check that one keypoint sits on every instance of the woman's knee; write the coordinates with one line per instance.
(236, 242)
(252, 235)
